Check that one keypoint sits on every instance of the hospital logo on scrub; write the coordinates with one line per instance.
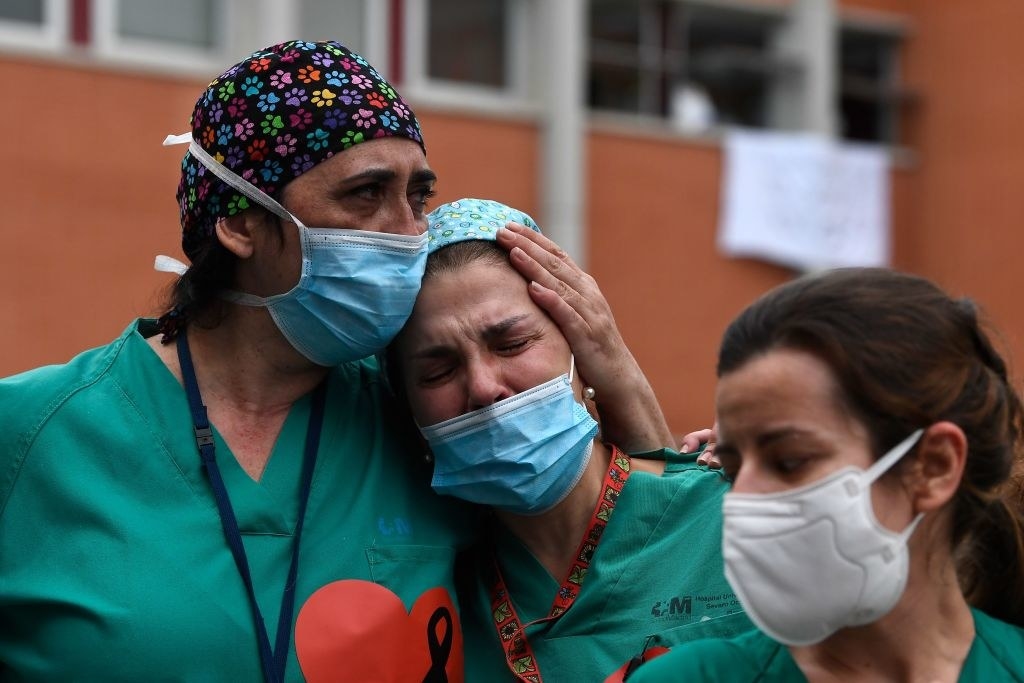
(677, 605)
(705, 606)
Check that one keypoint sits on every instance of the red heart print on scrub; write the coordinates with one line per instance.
(360, 631)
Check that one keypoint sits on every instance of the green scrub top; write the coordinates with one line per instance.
(657, 571)
(997, 654)
(113, 562)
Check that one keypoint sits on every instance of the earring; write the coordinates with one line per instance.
(589, 393)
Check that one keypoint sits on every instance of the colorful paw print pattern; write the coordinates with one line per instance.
(471, 219)
(275, 115)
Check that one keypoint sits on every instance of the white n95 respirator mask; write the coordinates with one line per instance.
(809, 561)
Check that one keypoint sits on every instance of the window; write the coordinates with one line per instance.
(34, 24)
(476, 53)
(696, 64)
(343, 20)
(468, 42)
(700, 64)
(185, 35)
(198, 37)
(192, 23)
(194, 37)
(28, 12)
(870, 98)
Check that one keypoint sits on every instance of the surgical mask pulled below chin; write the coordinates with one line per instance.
(810, 561)
(356, 289)
(523, 454)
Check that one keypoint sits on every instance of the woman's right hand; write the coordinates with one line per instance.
(630, 415)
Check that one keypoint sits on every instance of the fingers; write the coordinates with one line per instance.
(539, 259)
(708, 458)
(564, 315)
(533, 242)
(693, 440)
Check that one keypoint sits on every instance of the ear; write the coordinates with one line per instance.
(934, 476)
(237, 233)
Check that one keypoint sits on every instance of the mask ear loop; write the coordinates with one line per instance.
(252, 192)
(588, 392)
(231, 178)
(881, 466)
(884, 463)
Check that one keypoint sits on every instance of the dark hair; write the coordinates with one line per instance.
(195, 298)
(906, 355)
(456, 256)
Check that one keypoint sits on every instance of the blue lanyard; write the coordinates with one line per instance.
(273, 661)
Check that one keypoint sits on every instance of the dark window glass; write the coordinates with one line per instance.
(183, 22)
(644, 56)
(27, 11)
(868, 97)
(467, 41)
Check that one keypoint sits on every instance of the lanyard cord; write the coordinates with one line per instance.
(511, 630)
(273, 661)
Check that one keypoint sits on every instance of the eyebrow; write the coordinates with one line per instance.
(490, 333)
(383, 175)
(500, 328)
(768, 438)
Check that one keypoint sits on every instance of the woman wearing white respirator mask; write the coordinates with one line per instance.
(874, 528)
(509, 423)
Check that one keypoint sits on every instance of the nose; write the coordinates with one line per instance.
(753, 477)
(401, 218)
(484, 386)
(741, 481)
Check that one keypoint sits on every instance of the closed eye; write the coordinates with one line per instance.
(434, 371)
(512, 347)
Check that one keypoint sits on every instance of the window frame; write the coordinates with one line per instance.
(515, 98)
(109, 45)
(890, 87)
(249, 25)
(53, 34)
(672, 56)
(790, 67)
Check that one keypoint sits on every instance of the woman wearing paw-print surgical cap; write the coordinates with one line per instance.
(226, 493)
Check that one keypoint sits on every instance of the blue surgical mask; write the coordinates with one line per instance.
(523, 454)
(355, 293)
(356, 290)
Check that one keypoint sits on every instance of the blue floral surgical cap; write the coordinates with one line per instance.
(471, 219)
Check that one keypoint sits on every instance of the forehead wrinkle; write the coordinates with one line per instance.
(502, 326)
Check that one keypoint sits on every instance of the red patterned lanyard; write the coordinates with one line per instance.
(511, 631)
